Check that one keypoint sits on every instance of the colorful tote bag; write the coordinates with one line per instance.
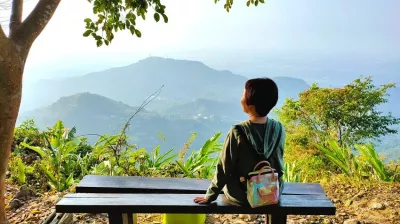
(262, 186)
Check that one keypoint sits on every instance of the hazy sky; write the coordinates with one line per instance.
(199, 29)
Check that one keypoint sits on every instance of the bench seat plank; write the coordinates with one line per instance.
(115, 184)
(183, 203)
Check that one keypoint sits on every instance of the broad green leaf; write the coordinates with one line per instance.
(87, 33)
(163, 159)
(156, 17)
(21, 172)
(51, 177)
(165, 18)
(70, 180)
(138, 33)
(166, 160)
(132, 29)
(183, 168)
(333, 158)
(41, 151)
(372, 157)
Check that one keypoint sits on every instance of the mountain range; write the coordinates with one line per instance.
(183, 81)
(195, 98)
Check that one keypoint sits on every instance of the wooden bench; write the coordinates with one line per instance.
(122, 196)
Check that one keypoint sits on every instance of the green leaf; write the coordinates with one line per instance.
(334, 159)
(70, 180)
(262, 1)
(41, 151)
(87, 20)
(167, 160)
(248, 3)
(51, 177)
(183, 168)
(99, 43)
(256, 3)
(157, 17)
(372, 157)
(165, 18)
(132, 29)
(138, 33)
(21, 172)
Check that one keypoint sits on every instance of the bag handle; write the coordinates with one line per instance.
(265, 169)
(262, 162)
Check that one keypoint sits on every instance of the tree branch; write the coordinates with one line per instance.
(16, 15)
(34, 24)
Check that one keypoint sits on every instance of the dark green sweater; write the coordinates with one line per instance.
(238, 157)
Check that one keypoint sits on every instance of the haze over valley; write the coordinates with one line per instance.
(194, 98)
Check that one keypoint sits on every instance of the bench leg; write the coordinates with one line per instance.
(276, 219)
(122, 218)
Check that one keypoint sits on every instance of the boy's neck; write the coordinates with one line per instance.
(258, 120)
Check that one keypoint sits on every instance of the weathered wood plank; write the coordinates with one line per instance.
(112, 184)
(183, 203)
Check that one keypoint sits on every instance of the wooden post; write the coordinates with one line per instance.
(122, 218)
(276, 219)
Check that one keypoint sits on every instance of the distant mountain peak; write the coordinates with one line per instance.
(84, 96)
(154, 60)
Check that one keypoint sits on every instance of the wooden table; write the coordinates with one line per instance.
(122, 196)
(114, 184)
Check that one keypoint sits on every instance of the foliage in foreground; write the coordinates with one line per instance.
(64, 159)
(358, 164)
(367, 165)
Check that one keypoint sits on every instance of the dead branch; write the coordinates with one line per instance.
(122, 137)
(121, 141)
(142, 106)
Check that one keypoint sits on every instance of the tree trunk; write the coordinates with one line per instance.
(12, 62)
(14, 50)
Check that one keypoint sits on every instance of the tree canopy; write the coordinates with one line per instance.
(348, 114)
(118, 15)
